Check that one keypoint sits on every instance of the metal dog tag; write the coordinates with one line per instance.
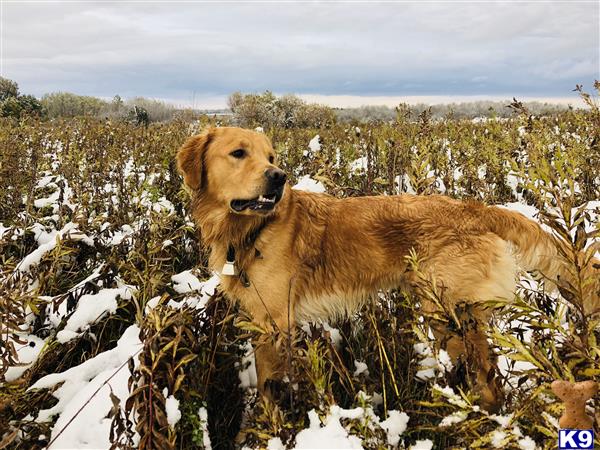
(229, 268)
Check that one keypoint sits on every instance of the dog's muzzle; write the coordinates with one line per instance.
(267, 201)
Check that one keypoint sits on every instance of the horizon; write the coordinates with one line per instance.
(357, 101)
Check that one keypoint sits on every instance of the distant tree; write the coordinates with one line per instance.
(8, 88)
(66, 104)
(11, 107)
(312, 115)
(30, 105)
(268, 110)
(466, 110)
(117, 105)
(156, 110)
(14, 105)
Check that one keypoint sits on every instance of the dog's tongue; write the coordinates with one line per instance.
(240, 205)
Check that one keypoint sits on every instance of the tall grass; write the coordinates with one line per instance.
(110, 176)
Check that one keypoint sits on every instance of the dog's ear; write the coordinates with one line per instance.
(190, 159)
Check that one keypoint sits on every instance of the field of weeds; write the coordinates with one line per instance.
(113, 332)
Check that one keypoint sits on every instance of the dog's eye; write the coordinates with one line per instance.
(271, 159)
(239, 153)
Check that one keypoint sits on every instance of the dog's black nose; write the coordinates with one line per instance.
(276, 177)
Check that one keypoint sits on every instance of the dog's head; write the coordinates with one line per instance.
(235, 168)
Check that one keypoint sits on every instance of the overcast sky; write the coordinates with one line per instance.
(199, 52)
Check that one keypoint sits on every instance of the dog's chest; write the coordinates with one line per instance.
(262, 280)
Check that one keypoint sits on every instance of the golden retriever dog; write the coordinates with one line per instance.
(290, 255)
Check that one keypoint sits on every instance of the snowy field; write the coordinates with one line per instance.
(101, 253)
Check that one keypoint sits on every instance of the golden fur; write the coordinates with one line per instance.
(320, 257)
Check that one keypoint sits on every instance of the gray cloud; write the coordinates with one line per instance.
(178, 50)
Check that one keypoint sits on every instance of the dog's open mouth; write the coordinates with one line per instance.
(265, 202)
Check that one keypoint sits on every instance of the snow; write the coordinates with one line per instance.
(503, 421)
(445, 360)
(90, 308)
(403, 185)
(553, 421)
(359, 165)
(306, 183)
(330, 434)
(120, 235)
(247, 375)
(55, 316)
(528, 211)
(68, 232)
(498, 439)
(163, 205)
(361, 367)
(275, 444)
(45, 181)
(395, 425)
(334, 334)
(47, 201)
(27, 355)
(315, 144)
(527, 443)
(3, 229)
(453, 418)
(422, 445)
(428, 369)
(84, 397)
(151, 304)
(203, 414)
(186, 281)
(428, 365)
(452, 397)
(172, 410)
(41, 234)
(160, 205)
(422, 349)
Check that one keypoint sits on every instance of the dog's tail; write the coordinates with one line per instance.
(537, 250)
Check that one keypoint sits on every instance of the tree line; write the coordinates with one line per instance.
(249, 110)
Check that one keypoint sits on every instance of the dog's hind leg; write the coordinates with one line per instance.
(468, 348)
(468, 272)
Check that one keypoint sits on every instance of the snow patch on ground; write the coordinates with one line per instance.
(315, 144)
(306, 183)
(453, 418)
(203, 415)
(27, 355)
(527, 443)
(90, 309)
(498, 439)
(172, 410)
(361, 367)
(187, 282)
(329, 434)
(359, 165)
(247, 375)
(68, 232)
(395, 425)
(425, 444)
(88, 387)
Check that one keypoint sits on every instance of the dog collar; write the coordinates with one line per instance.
(230, 268)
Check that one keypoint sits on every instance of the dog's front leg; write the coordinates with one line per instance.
(272, 353)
